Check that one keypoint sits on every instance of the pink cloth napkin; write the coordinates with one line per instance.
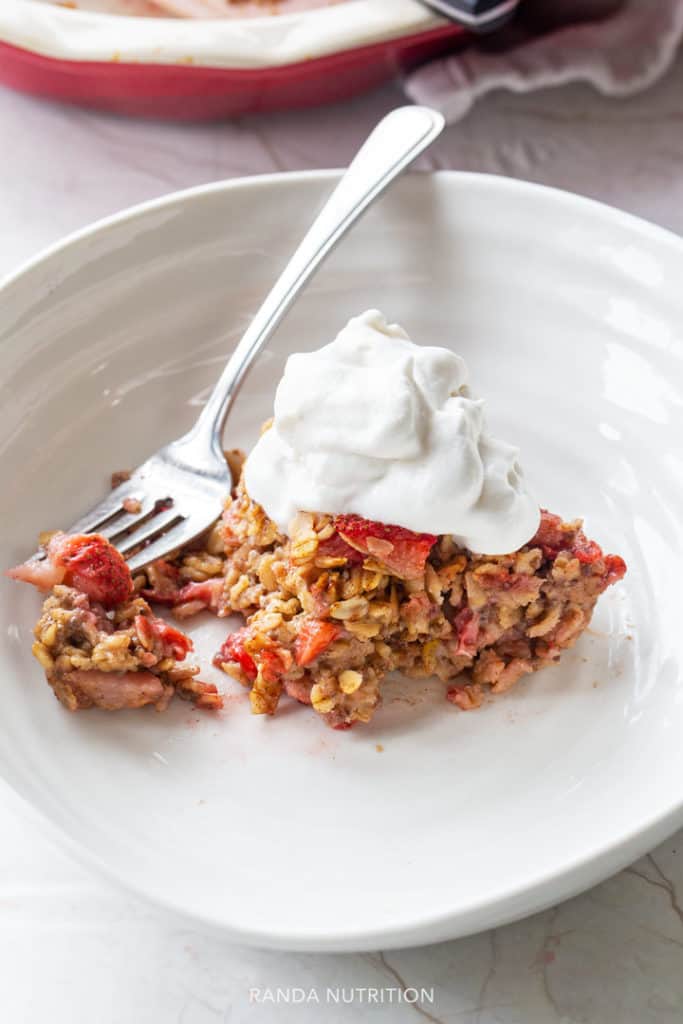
(620, 54)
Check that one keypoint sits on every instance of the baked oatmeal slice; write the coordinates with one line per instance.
(342, 601)
(99, 643)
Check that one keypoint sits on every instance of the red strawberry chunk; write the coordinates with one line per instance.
(402, 551)
(587, 551)
(274, 661)
(616, 568)
(144, 630)
(336, 547)
(93, 566)
(233, 649)
(150, 628)
(466, 624)
(87, 562)
(314, 637)
(179, 642)
(207, 593)
(550, 536)
(553, 539)
(40, 572)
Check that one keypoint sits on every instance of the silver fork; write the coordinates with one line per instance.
(177, 494)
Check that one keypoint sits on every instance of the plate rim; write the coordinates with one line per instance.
(555, 884)
(332, 174)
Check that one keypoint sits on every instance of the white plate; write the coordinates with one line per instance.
(237, 43)
(278, 831)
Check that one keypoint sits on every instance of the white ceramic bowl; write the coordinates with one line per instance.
(277, 831)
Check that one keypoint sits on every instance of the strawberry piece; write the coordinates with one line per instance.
(178, 643)
(314, 637)
(274, 661)
(208, 593)
(466, 624)
(150, 628)
(233, 649)
(402, 551)
(144, 630)
(616, 567)
(553, 536)
(550, 536)
(40, 572)
(587, 551)
(553, 539)
(336, 547)
(93, 566)
(87, 562)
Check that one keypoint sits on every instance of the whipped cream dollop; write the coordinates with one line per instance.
(375, 425)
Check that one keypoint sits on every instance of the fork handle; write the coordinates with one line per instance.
(396, 141)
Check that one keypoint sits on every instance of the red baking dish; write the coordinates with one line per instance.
(185, 90)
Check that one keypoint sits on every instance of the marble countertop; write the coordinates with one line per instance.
(72, 947)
